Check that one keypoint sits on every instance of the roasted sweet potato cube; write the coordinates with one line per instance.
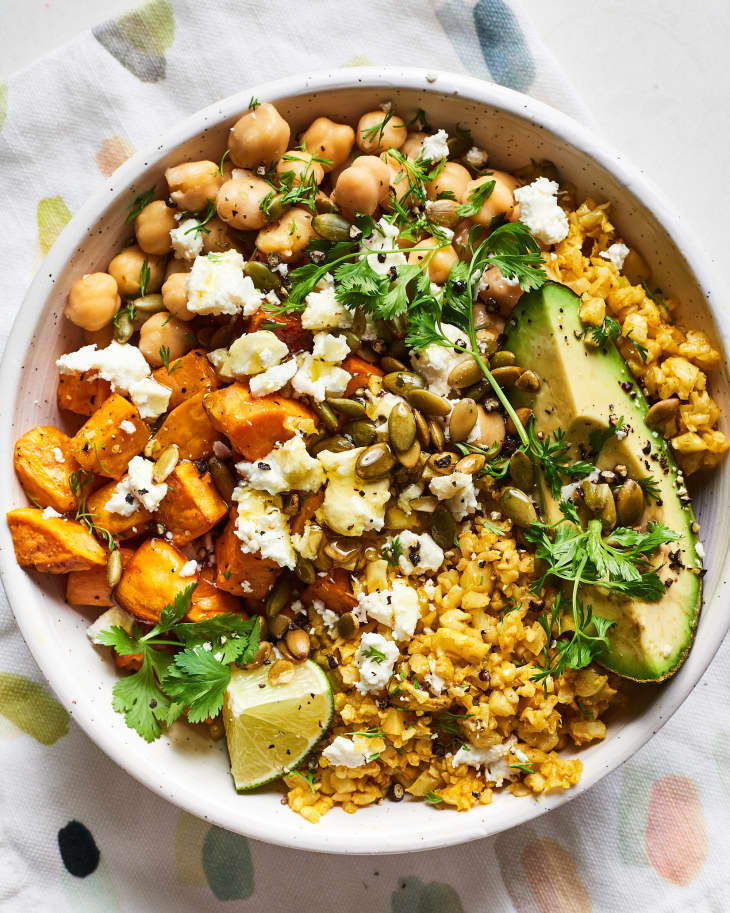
(254, 425)
(208, 599)
(192, 505)
(333, 590)
(361, 371)
(44, 461)
(82, 393)
(120, 527)
(289, 329)
(102, 445)
(51, 544)
(239, 572)
(191, 374)
(91, 587)
(188, 426)
(151, 579)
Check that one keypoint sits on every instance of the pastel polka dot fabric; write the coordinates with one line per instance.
(77, 835)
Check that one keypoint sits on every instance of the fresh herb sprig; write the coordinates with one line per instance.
(392, 552)
(139, 203)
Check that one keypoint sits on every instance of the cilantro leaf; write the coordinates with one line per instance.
(198, 681)
(512, 248)
(476, 199)
(173, 612)
(607, 332)
(599, 437)
(393, 552)
(139, 698)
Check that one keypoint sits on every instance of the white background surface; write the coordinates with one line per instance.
(654, 74)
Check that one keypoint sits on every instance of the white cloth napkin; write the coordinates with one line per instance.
(76, 833)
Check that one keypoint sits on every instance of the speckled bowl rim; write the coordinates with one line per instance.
(437, 829)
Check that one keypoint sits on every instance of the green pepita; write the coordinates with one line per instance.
(402, 381)
(465, 374)
(352, 408)
(401, 427)
(503, 359)
(222, 478)
(326, 415)
(462, 419)
(521, 470)
(362, 432)
(262, 277)
(332, 227)
(347, 626)
(629, 503)
(337, 443)
(114, 568)
(443, 527)
(123, 328)
(518, 507)
(375, 462)
(429, 403)
(278, 597)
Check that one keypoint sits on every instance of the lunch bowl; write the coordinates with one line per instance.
(184, 766)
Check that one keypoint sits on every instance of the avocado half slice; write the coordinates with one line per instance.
(581, 388)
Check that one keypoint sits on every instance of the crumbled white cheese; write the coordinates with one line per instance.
(329, 618)
(379, 406)
(127, 427)
(329, 347)
(49, 513)
(419, 553)
(540, 212)
(344, 752)
(616, 254)
(410, 493)
(435, 362)
(150, 397)
(457, 489)
(383, 238)
(288, 467)
(351, 505)
(113, 617)
(476, 157)
(318, 379)
(136, 490)
(221, 450)
(272, 379)
(307, 543)
(667, 651)
(262, 526)
(700, 550)
(435, 147)
(186, 241)
(375, 659)
(217, 285)
(189, 569)
(493, 760)
(396, 607)
(323, 311)
(434, 681)
(253, 353)
(217, 357)
(58, 454)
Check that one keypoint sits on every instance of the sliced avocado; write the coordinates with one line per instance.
(582, 387)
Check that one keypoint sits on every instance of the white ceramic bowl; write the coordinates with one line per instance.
(183, 767)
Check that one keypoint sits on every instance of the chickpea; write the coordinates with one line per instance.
(453, 178)
(387, 135)
(175, 296)
(379, 170)
(100, 338)
(494, 289)
(357, 190)
(329, 140)
(192, 184)
(177, 266)
(460, 241)
(399, 185)
(239, 201)
(260, 137)
(127, 266)
(288, 236)
(300, 164)
(163, 331)
(152, 227)
(217, 238)
(500, 202)
(413, 145)
(439, 266)
(93, 301)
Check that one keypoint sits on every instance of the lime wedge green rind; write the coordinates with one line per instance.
(270, 728)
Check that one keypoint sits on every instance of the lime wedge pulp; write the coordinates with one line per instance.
(270, 728)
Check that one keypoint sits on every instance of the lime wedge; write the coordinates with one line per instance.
(270, 728)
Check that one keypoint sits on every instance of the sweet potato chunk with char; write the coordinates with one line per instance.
(151, 580)
(191, 374)
(120, 527)
(289, 330)
(82, 393)
(102, 445)
(188, 426)
(361, 371)
(255, 425)
(91, 587)
(239, 572)
(192, 505)
(51, 544)
(333, 590)
(44, 461)
(209, 600)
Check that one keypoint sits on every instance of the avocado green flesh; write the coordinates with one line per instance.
(581, 387)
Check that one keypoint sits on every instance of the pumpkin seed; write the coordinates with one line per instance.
(165, 463)
(123, 328)
(332, 227)
(478, 392)
(441, 464)
(343, 551)
(204, 336)
(528, 380)
(443, 527)
(503, 359)
(506, 376)
(114, 568)
(223, 336)
(347, 626)
(436, 433)
(629, 503)
(390, 364)
(465, 374)
(518, 507)
(409, 458)
(297, 643)
(427, 503)
(521, 470)
(444, 212)
(276, 208)
(151, 449)
(608, 514)
(281, 672)
(262, 654)
(352, 408)
(337, 443)
(662, 412)
(147, 305)
(488, 339)
(325, 414)
(422, 432)
(402, 381)
(359, 322)
(322, 202)
(375, 462)
(264, 279)
(491, 431)
(279, 625)
(222, 478)
(429, 403)
(470, 464)
(401, 427)
(278, 597)
(462, 419)
(524, 415)
(595, 496)
(362, 432)
(357, 345)
(305, 570)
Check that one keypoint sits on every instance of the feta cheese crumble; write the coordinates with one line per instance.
(396, 607)
(435, 362)
(476, 157)
(329, 618)
(344, 752)
(317, 378)
(253, 353)
(49, 513)
(493, 760)
(136, 490)
(329, 347)
(323, 311)
(272, 379)
(262, 526)
(217, 285)
(287, 467)
(58, 454)
(351, 505)
(189, 569)
(375, 659)
(111, 618)
(435, 147)
(434, 681)
(383, 238)
(457, 489)
(186, 241)
(127, 427)
(616, 254)
(420, 554)
(540, 212)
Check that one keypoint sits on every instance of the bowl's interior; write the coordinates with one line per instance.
(185, 767)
